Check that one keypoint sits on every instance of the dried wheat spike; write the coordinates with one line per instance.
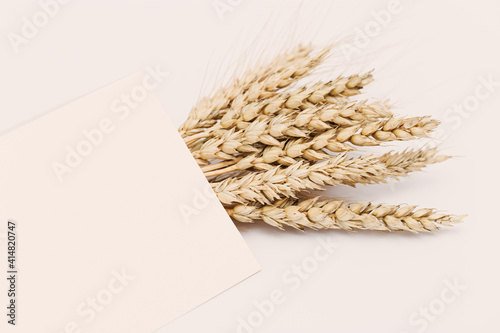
(286, 182)
(371, 133)
(296, 123)
(334, 214)
(262, 82)
(301, 98)
(257, 145)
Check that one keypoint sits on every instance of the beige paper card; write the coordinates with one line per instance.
(107, 223)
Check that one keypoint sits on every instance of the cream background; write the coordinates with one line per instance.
(427, 59)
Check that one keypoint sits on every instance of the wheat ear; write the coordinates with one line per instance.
(262, 82)
(300, 123)
(264, 148)
(335, 214)
(285, 182)
(301, 98)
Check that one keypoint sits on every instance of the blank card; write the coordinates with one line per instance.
(107, 223)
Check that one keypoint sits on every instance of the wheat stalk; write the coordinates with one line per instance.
(262, 82)
(335, 214)
(301, 98)
(285, 182)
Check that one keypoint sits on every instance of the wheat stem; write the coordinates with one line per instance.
(219, 165)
